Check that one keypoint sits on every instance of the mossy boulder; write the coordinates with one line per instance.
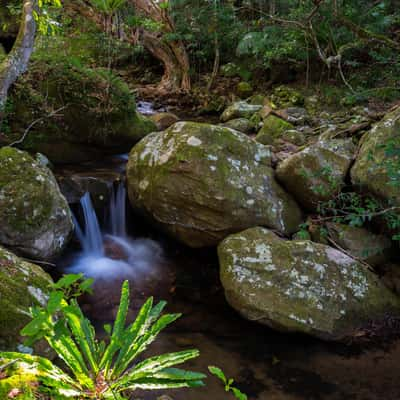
(35, 218)
(377, 166)
(317, 173)
(240, 124)
(22, 285)
(244, 89)
(201, 182)
(285, 96)
(240, 109)
(97, 112)
(360, 243)
(300, 286)
(273, 128)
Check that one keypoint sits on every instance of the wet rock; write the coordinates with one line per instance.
(99, 183)
(318, 172)
(300, 286)
(376, 169)
(22, 285)
(201, 182)
(35, 218)
(240, 124)
(360, 243)
(164, 120)
(240, 109)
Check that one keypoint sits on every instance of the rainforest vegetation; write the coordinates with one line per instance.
(235, 163)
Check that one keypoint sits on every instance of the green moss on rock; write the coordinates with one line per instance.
(377, 166)
(22, 285)
(274, 128)
(35, 217)
(318, 172)
(201, 182)
(98, 111)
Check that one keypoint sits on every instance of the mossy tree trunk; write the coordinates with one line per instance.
(17, 60)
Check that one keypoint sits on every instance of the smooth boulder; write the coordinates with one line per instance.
(300, 286)
(201, 182)
(22, 285)
(35, 218)
(317, 173)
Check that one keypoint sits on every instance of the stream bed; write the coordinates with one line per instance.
(265, 364)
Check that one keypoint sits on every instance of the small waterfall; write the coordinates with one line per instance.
(90, 237)
(112, 254)
(118, 212)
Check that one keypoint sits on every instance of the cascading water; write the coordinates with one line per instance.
(112, 254)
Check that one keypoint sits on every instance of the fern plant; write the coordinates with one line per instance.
(100, 369)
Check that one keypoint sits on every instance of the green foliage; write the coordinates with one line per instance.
(108, 7)
(227, 382)
(101, 369)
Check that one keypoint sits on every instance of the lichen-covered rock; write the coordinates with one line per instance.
(240, 109)
(377, 166)
(201, 182)
(300, 286)
(318, 172)
(274, 128)
(22, 285)
(360, 243)
(97, 112)
(164, 120)
(35, 217)
(240, 124)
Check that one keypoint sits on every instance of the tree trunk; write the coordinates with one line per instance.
(172, 54)
(17, 60)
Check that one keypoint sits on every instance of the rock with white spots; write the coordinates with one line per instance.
(376, 169)
(317, 173)
(300, 286)
(22, 285)
(201, 182)
(35, 217)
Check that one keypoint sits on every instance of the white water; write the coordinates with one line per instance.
(112, 254)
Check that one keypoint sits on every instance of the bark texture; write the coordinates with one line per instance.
(172, 54)
(17, 60)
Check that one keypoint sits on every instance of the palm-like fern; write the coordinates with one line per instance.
(100, 370)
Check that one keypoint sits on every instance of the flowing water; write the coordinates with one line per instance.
(267, 365)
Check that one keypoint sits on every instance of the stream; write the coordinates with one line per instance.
(112, 244)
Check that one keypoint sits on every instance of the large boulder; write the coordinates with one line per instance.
(377, 166)
(317, 173)
(35, 217)
(201, 182)
(240, 109)
(300, 286)
(96, 112)
(22, 285)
